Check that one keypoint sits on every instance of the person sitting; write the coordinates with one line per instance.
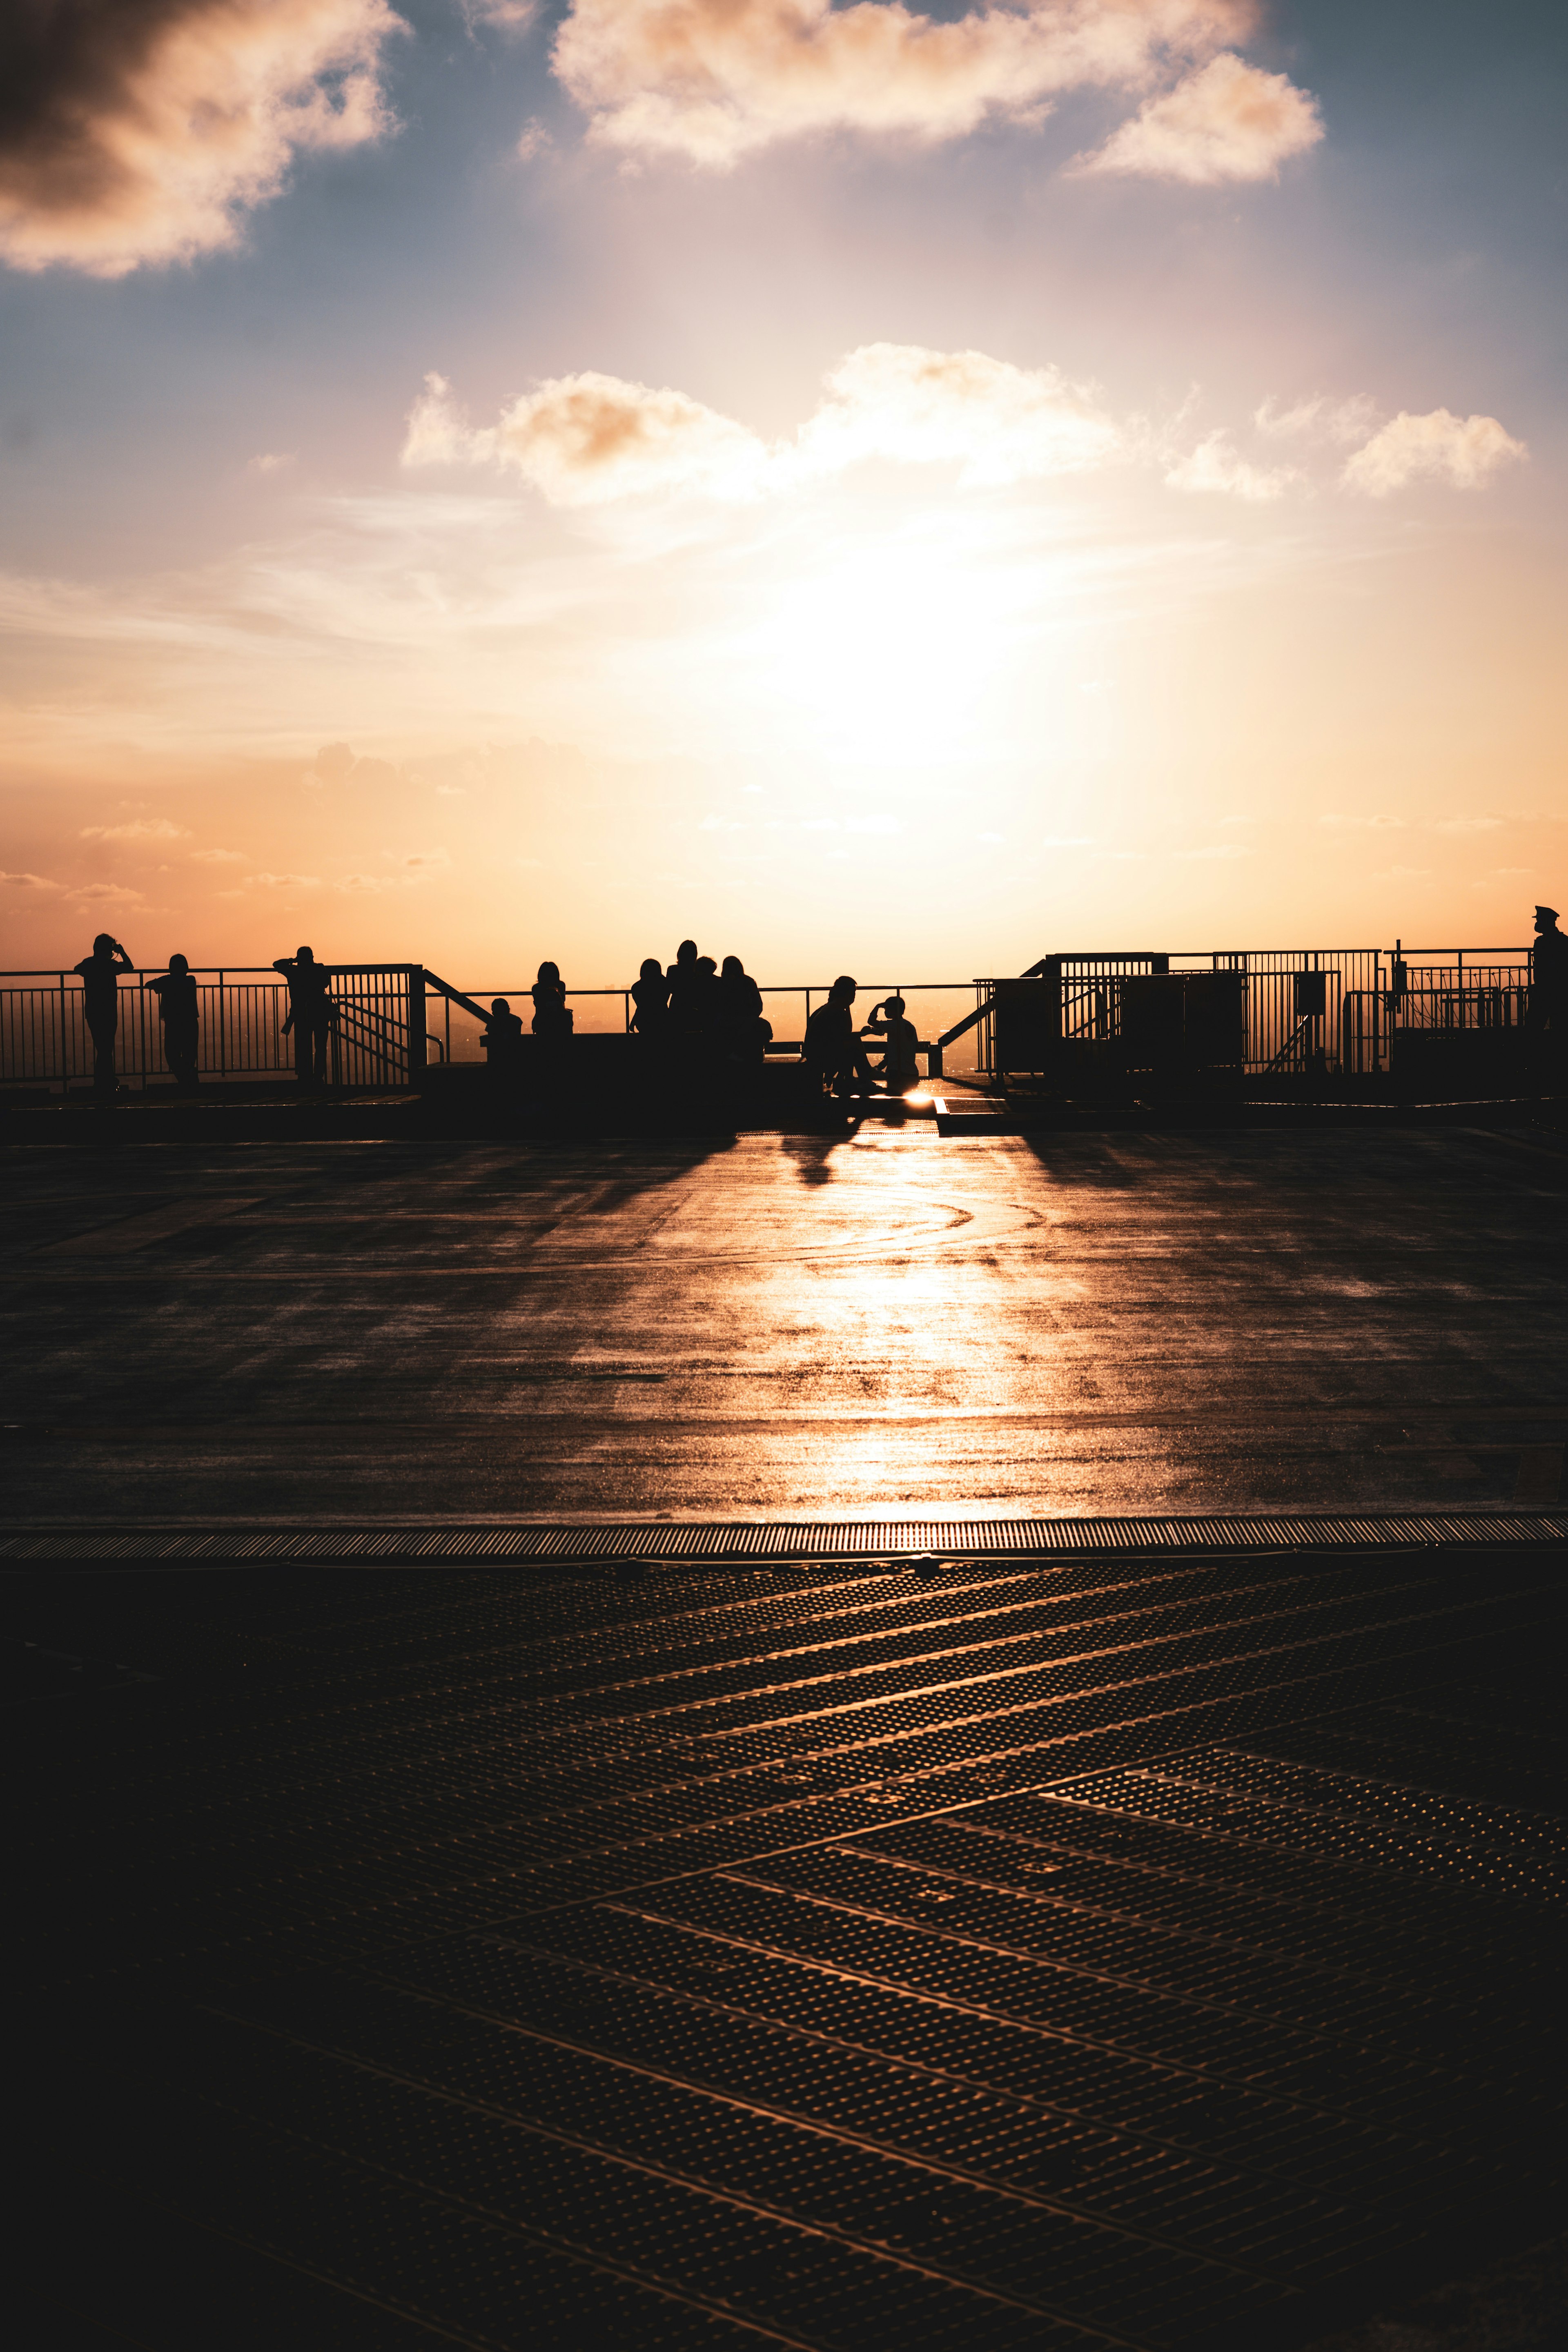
(833, 1048)
(100, 993)
(705, 1011)
(312, 1016)
(180, 1012)
(684, 988)
(742, 1030)
(650, 995)
(551, 1013)
(502, 1039)
(900, 1066)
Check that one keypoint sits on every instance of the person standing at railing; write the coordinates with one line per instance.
(311, 1014)
(180, 1012)
(100, 991)
(1549, 998)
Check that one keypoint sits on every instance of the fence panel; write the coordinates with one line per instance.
(45, 1041)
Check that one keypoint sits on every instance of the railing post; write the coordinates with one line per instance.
(416, 1046)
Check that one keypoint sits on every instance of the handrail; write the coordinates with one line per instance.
(1288, 1047)
(454, 995)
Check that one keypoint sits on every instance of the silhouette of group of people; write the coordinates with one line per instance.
(708, 1014)
(311, 1017)
(711, 1014)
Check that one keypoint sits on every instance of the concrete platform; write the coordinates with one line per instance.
(781, 1327)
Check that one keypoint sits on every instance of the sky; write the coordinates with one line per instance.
(873, 489)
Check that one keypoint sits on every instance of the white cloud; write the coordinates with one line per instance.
(1467, 825)
(1217, 466)
(270, 461)
(218, 856)
(107, 894)
(1319, 419)
(142, 828)
(282, 882)
(1000, 423)
(1463, 451)
(533, 139)
(1229, 121)
(140, 133)
(712, 81)
(582, 439)
(29, 882)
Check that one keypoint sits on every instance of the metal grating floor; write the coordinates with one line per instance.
(981, 1538)
(1145, 1944)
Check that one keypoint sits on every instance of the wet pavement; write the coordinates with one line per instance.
(984, 1767)
(784, 1327)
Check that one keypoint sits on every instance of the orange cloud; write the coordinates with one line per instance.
(134, 131)
(580, 439)
(715, 80)
(1229, 121)
(1464, 452)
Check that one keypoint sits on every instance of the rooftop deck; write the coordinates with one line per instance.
(981, 1765)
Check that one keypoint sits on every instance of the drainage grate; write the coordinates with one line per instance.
(803, 1539)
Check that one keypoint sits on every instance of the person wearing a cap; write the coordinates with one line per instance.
(1549, 996)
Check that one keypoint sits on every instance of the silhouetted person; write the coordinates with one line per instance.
(503, 1041)
(551, 1013)
(179, 1010)
(901, 1060)
(100, 993)
(706, 1014)
(311, 1014)
(650, 995)
(741, 1027)
(684, 988)
(1548, 997)
(832, 1045)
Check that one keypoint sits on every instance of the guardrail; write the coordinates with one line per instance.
(378, 1038)
(1299, 1011)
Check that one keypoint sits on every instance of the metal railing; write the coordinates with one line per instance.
(1303, 1009)
(377, 1039)
(458, 1014)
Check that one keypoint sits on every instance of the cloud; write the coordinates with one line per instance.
(218, 856)
(1363, 823)
(1463, 825)
(582, 439)
(335, 763)
(1229, 120)
(1319, 419)
(1464, 452)
(533, 140)
(142, 828)
(712, 81)
(111, 894)
(135, 131)
(281, 882)
(270, 461)
(1000, 423)
(29, 882)
(1215, 466)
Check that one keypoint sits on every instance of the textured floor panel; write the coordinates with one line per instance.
(1131, 1948)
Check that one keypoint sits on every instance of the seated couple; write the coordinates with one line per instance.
(503, 1038)
(833, 1045)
